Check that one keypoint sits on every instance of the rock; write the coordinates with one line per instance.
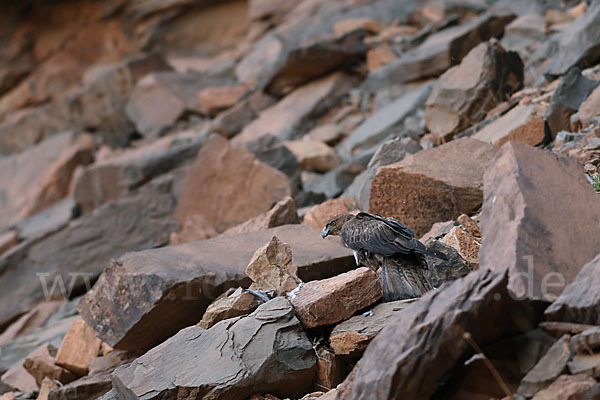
(579, 301)
(289, 117)
(27, 323)
(45, 388)
(439, 51)
(65, 263)
(326, 133)
(516, 193)
(432, 185)
(380, 56)
(318, 216)
(470, 225)
(389, 152)
(383, 122)
(351, 337)
(587, 110)
(263, 9)
(271, 268)
(78, 348)
(271, 151)
(212, 100)
(112, 360)
(233, 120)
(314, 58)
(284, 212)
(567, 387)
(547, 369)
(88, 387)
(328, 301)
(402, 362)
(262, 60)
(198, 272)
(7, 240)
(465, 243)
(441, 271)
(114, 177)
(19, 379)
(330, 370)
(438, 231)
(369, 25)
(227, 185)
(50, 220)
(524, 124)
(577, 45)
(233, 303)
(266, 351)
(465, 93)
(314, 155)
(572, 90)
(40, 365)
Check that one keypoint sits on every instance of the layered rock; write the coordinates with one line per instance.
(233, 303)
(524, 124)
(517, 193)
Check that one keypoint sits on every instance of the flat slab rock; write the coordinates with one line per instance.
(265, 352)
(551, 226)
(145, 297)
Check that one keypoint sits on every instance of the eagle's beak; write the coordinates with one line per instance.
(325, 232)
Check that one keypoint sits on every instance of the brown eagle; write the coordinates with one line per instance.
(387, 243)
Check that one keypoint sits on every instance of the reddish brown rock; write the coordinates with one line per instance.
(212, 100)
(287, 118)
(465, 243)
(516, 193)
(283, 212)
(227, 185)
(369, 25)
(231, 121)
(567, 387)
(318, 216)
(351, 337)
(197, 274)
(78, 348)
(328, 301)
(314, 155)
(19, 379)
(380, 56)
(433, 185)
(330, 370)
(45, 388)
(40, 365)
(271, 268)
(524, 124)
(465, 93)
(326, 133)
(7, 240)
(233, 303)
(588, 109)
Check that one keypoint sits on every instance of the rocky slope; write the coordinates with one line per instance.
(166, 167)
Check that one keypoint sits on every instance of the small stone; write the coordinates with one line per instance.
(233, 303)
(330, 370)
(465, 243)
(567, 387)
(379, 56)
(45, 388)
(212, 100)
(314, 155)
(327, 133)
(271, 267)
(469, 224)
(284, 212)
(78, 348)
(318, 216)
(524, 123)
(369, 25)
(40, 364)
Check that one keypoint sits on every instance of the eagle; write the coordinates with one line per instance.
(385, 242)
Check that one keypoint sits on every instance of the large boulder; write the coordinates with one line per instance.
(426, 340)
(465, 93)
(433, 185)
(145, 297)
(533, 212)
(228, 185)
(265, 352)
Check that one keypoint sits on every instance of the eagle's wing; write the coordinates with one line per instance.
(378, 235)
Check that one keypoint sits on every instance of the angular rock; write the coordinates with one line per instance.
(315, 58)
(402, 362)
(65, 263)
(49, 220)
(266, 352)
(17, 378)
(274, 153)
(567, 387)
(380, 56)
(572, 90)
(227, 185)
(212, 100)
(432, 185)
(389, 152)
(516, 193)
(587, 110)
(27, 323)
(88, 387)
(330, 370)
(383, 122)
(7, 240)
(78, 348)
(441, 271)
(197, 273)
(524, 124)
(271, 268)
(579, 301)
(328, 301)
(470, 225)
(318, 216)
(327, 133)
(233, 120)
(112, 178)
(547, 369)
(284, 212)
(351, 337)
(289, 117)
(465, 244)
(233, 303)
(577, 45)
(40, 363)
(262, 60)
(369, 25)
(439, 51)
(314, 155)
(465, 93)
(112, 360)
(45, 388)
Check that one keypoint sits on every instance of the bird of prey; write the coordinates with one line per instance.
(386, 242)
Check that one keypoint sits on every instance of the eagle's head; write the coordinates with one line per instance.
(335, 224)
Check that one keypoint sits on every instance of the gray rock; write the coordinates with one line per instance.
(442, 271)
(334, 182)
(265, 352)
(49, 220)
(88, 387)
